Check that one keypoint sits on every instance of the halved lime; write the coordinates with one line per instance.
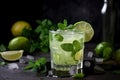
(12, 55)
(86, 28)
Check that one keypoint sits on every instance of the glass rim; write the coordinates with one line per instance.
(57, 31)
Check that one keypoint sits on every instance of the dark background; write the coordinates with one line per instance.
(56, 10)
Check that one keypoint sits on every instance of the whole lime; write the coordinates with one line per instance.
(116, 56)
(19, 43)
(107, 53)
(100, 47)
(18, 27)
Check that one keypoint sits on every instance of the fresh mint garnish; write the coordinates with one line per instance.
(59, 37)
(63, 25)
(67, 46)
(37, 65)
(79, 76)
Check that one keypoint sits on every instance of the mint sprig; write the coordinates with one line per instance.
(37, 65)
(63, 25)
(39, 36)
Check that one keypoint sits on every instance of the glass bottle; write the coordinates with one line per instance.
(108, 21)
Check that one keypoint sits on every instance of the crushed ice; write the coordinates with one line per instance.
(13, 66)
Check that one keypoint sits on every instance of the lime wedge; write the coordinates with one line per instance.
(12, 55)
(86, 28)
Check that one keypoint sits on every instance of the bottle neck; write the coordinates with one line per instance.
(107, 5)
(110, 2)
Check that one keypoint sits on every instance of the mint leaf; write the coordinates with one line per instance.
(59, 37)
(38, 29)
(65, 22)
(2, 47)
(34, 46)
(42, 34)
(26, 32)
(44, 22)
(63, 25)
(42, 61)
(2, 63)
(67, 46)
(76, 45)
(78, 76)
(37, 65)
(29, 66)
(49, 22)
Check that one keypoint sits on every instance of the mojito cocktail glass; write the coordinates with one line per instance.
(66, 49)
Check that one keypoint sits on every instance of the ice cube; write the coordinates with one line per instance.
(73, 70)
(87, 64)
(90, 54)
(30, 57)
(22, 60)
(13, 66)
(50, 73)
(99, 60)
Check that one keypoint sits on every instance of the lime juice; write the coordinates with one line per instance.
(66, 48)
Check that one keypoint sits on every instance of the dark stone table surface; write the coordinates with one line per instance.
(28, 75)
(20, 74)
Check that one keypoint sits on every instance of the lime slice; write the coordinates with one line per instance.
(86, 28)
(12, 55)
(78, 55)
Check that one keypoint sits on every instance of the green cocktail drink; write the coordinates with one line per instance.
(66, 49)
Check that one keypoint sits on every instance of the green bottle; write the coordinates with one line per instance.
(109, 18)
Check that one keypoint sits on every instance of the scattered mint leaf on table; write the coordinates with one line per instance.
(79, 76)
(37, 65)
